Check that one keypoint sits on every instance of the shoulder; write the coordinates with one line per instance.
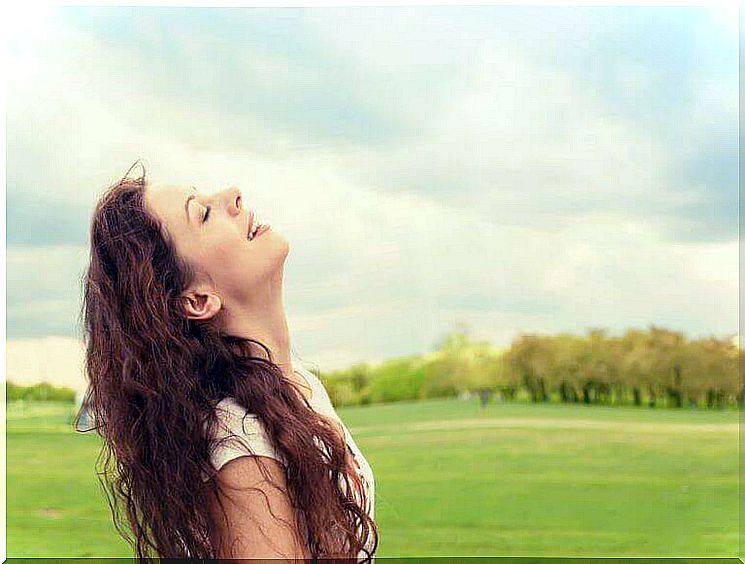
(233, 418)
(321, 400)
(238, 433)
(229, 409)
(304, 368)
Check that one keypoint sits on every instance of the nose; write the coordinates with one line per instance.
(235, 201)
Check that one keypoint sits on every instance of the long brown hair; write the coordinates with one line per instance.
(154, 379)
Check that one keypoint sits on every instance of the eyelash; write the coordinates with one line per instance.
(204, 218)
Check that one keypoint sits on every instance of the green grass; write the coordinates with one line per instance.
(451, 479)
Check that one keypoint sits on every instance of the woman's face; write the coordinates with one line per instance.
(211, 231)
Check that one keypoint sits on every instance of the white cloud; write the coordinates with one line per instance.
(335, 359)
(515, 199)
(58, 360)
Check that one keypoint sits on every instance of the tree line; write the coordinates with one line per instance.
(655, 367)
(39, 392)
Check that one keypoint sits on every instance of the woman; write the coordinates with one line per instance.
(217, 443)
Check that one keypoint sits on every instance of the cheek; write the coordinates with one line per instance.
(220, 258)
(222, 253)
(216, 259)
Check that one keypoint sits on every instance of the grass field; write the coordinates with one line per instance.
(451, 479)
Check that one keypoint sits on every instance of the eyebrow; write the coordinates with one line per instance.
(186, 205)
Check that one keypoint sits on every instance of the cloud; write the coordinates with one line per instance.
(58, 360)
(521, 169)
(54, 220)
(594, 118)
(260, 76)
(43, 290)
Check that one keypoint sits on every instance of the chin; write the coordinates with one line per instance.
(286, 251)
(280, 245)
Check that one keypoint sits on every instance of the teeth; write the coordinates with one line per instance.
(256, 224)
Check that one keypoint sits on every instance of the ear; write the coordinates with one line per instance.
(201, 305)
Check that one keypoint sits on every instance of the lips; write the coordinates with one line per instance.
(251, 219)
(255, 226)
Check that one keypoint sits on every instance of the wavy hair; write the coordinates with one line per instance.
(154, 377)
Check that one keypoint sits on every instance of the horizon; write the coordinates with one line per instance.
(37, 371)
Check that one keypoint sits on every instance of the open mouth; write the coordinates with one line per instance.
(257, 228)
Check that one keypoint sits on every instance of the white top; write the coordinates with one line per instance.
(237, 424)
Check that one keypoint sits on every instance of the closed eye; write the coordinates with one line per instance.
(207, 213)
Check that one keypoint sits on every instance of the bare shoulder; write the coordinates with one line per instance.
(259, 519)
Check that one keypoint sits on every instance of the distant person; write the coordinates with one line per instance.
(219, 443)
(83, 420)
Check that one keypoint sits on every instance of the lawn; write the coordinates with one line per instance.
(451, 479)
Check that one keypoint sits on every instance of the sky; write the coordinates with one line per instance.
(517, 169)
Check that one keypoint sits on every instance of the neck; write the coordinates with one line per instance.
(264, 320)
